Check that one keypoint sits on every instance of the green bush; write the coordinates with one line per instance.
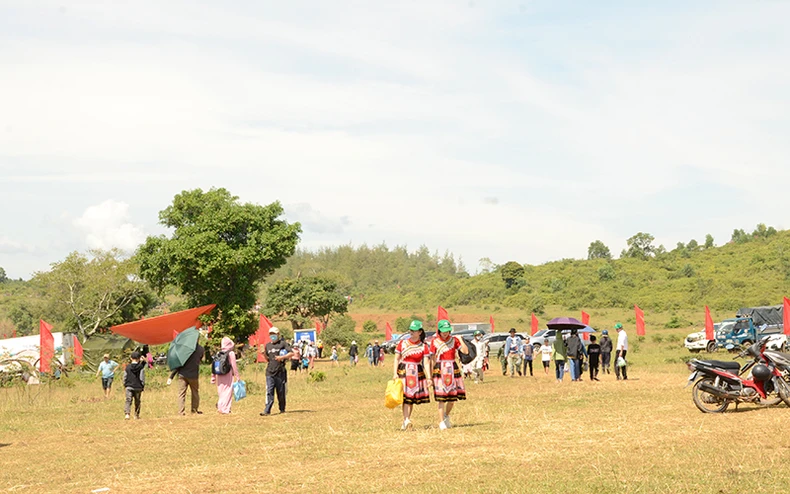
(339, 330)
(369, 326)
(316, 377)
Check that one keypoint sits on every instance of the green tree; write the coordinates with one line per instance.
(3, 277)
(606, 272)
(511, 272)
(370, 326)
(739, 236)
(339, 330)
(219, 252)
(302, 299)
(94, 293)
(692, 245)
(598, 250)
(708, 241)
(640, 246)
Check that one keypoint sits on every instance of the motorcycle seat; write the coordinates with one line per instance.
(722, 364)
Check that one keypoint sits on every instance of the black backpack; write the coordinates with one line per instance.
(221, 364)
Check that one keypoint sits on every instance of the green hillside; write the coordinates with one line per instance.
(755, 270)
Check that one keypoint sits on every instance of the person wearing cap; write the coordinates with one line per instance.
(134, 383)
(606, 352)
(513, 352)
(622, 350)
(278, 351)
(448, 383)
(107, 371)
(481, 347)
(411, 356)
(353, 353)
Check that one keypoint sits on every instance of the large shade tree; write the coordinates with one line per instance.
(218, 253)
(304, 298)
(94, 291)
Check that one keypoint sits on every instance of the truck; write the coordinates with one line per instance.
(748, 325)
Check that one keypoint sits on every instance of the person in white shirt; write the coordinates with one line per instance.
(621, 350)
(481, 347)
(545, 355)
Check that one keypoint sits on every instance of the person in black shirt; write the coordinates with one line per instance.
(606, 351)
(593, 353)
(278, 352)
(376, 353)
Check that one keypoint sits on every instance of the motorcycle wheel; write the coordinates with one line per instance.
(784, 391)
(706, 402)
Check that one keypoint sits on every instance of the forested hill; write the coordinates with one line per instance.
(752, 269)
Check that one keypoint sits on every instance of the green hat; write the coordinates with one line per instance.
(444, 326)
(478, 332)
(415, 325)
(618, 326)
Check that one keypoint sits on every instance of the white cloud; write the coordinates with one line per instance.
(397, 115)
(107, 226)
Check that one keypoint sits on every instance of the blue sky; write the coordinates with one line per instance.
(509, 130)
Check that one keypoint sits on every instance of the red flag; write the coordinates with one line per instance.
(262, 337)
(534, 324)
(47, 346)
(491, 321)
(442, 314)
(709, 325)
(13, 333)
(388, 332)
(786, 316)
(318, 328)
(77, 351)
(586, 322)
(640, 321)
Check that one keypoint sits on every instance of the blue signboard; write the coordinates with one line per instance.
(304, 335)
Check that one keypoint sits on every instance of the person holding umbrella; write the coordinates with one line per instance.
(575, 351)
(448, 383)
(183, 358)
(278, 351)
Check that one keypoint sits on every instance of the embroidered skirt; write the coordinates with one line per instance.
(448, 383)
(415, 384)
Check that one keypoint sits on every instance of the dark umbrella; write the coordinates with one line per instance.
(182, 348)
(565, 323)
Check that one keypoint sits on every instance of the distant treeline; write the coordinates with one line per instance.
(749, 270)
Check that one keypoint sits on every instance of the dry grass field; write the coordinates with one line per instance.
(512, 435)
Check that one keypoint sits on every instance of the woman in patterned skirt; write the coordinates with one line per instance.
(409, 356)
(448, 384)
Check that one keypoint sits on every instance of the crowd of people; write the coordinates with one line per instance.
(423, 367)
(569, 355)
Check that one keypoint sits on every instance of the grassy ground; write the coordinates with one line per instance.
(511, 435)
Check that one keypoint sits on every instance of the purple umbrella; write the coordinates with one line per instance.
(565, 323)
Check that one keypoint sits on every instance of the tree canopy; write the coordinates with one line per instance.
(511, 273)
(219, 252)
(92, 293)
(598, 250)
(305, 298)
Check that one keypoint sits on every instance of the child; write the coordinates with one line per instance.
(593, 352)
(334, 356)
(134, 382)
(545, 355)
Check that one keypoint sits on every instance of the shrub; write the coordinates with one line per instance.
(369, 326)
(657, 338)
(340, 330)
(316, 377)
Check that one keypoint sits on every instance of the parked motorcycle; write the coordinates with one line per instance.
(722, 383)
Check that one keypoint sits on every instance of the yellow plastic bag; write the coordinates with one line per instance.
(393, 397)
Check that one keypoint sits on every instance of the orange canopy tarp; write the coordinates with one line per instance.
(162, 329)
